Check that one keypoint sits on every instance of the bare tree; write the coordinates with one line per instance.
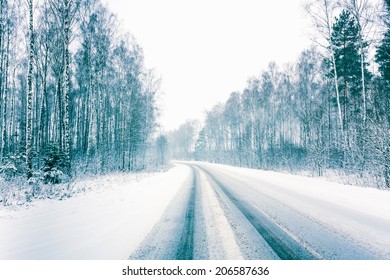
(364, 14)
(66, 85)
(322, 13)
(30, 93)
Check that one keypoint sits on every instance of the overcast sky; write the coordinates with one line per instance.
(206, 49)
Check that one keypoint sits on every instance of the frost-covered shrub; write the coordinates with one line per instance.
(53, 176)
(8, 170)
(14, 165)
(54, 161)
(14, 192)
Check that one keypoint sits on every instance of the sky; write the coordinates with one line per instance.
(203, 50)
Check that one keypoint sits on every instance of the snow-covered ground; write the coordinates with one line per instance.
(107, 222)
(334, 220)
(122, 217)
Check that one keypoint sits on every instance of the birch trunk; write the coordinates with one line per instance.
(29, 94)
(66, 88)
(3, 97)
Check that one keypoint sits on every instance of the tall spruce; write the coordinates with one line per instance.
(321, 13)
(345, 39)
(382, 56)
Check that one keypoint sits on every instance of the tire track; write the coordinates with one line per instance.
(172, 237)
(286, 247)
(185, 249)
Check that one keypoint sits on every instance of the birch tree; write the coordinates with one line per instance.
(66, 85)
(322, 13)
(30, 93)
(4, 50)
(364, 13)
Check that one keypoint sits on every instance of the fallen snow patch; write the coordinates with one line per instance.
(107, 222)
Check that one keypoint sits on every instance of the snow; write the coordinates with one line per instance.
(221, 239)
(230, 235)
(365, 200)
(358, 215)
(117, 213)
(107, 222)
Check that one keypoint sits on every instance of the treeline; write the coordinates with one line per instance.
(74, 93)
(330, 111)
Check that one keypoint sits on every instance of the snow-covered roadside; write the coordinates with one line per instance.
(365, 200)
(360, 214)
(106, 223)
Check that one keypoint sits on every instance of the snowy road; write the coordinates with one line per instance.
(202, 211)
(224, 212)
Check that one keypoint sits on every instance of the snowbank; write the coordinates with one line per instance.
(107, 222)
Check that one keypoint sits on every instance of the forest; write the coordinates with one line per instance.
(328, 113)
(75, 96)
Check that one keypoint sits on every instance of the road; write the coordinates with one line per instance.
(228, 213)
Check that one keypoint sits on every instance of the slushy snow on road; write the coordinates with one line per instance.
(202, 211)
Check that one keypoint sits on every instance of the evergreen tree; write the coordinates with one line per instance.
(162, 148)
(201, 146)
(345, 39)
(387, 19)
(382, 56)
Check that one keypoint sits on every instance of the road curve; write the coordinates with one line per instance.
(218, 214)
(283, 245)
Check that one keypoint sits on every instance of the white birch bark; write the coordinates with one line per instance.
(66, 87)
(29, 94)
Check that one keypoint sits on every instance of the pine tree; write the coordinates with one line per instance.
(162, 147)
(387, 19)
(382, 56)
(321, 12)
(345, 39)
(363, 13)
(201, 146)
